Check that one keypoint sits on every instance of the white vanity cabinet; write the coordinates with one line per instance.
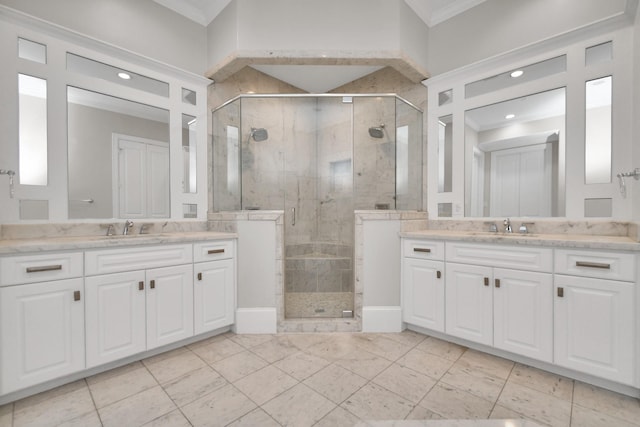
(41, 319)
(423, 284)
(594, 313)
(501, 296)
(213, 285)
(141, 307)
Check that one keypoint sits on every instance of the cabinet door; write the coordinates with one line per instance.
(169, 305)
(523, 313)
(469, 302)
(213, 295)
(594, 324)
(42, 330)
(115, 307)
(423, 293)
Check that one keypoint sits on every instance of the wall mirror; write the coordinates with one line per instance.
(514, 157)
(118, 157)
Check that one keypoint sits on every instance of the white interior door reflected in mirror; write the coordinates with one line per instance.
(142, 170)
(94, 186)
(514, 157)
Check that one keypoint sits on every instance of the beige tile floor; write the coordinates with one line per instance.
(320, 380)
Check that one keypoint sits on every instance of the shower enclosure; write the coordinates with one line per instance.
(317, 158)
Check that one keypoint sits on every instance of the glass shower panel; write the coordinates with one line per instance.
(226, 158)
(263, 136)
(374, 146)
(319, 220)
(408, 157)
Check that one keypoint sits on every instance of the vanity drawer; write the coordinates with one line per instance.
(138, 258)
(424, 249)
(15, 270)
(209, 251)
(598, 264)
(502, 256)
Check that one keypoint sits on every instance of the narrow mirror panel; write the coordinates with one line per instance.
(34, 209)
(445, 210)
(188, 96)
(117, 75)
(32, 51)
(597, 154)
(189, 210)
(598, 54)
(32, 145)
(189, 153)
(445, 97)
(445, 159)
(598, 208)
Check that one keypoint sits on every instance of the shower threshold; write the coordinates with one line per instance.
(318, 305)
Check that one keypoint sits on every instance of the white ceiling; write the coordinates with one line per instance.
(319, 78)
(432, 12)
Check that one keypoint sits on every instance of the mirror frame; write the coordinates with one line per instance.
(59, 41)
(578, 72)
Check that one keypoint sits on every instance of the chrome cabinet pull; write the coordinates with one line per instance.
(152, 284)
(141, 286)
(438, 274)
(486, 281)
(44, 268)
(561, 292)
(76, 295)
(293, 216)
(425, 250)
(215, 251)
(593, 265)
(199, 276)
(497, 281)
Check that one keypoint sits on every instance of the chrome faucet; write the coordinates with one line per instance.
(507, 226)
(127, 226)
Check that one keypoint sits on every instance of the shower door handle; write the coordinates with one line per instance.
(293, 216)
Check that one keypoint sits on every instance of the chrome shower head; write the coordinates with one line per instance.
(259, 134)
(377, 132)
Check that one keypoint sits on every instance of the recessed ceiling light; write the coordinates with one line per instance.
(517, 74)
(124, 75)
(509, 116)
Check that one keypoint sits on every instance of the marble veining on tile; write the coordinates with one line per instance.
(325, 380)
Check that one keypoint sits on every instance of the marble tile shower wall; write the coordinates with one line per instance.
(335, 162)
(375, 158)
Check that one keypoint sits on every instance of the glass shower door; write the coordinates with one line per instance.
(319, 219)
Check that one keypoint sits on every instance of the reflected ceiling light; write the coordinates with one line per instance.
(509, 116)
(517, 74)
(124, 76)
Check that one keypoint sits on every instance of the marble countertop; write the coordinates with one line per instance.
(587, 241)
(16, 246)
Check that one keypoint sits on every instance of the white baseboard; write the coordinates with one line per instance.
(261, 320)
(382, 319)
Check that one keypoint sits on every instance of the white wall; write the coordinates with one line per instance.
(636, 113)
(141, 26)
(317, 29)
(499, 26)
